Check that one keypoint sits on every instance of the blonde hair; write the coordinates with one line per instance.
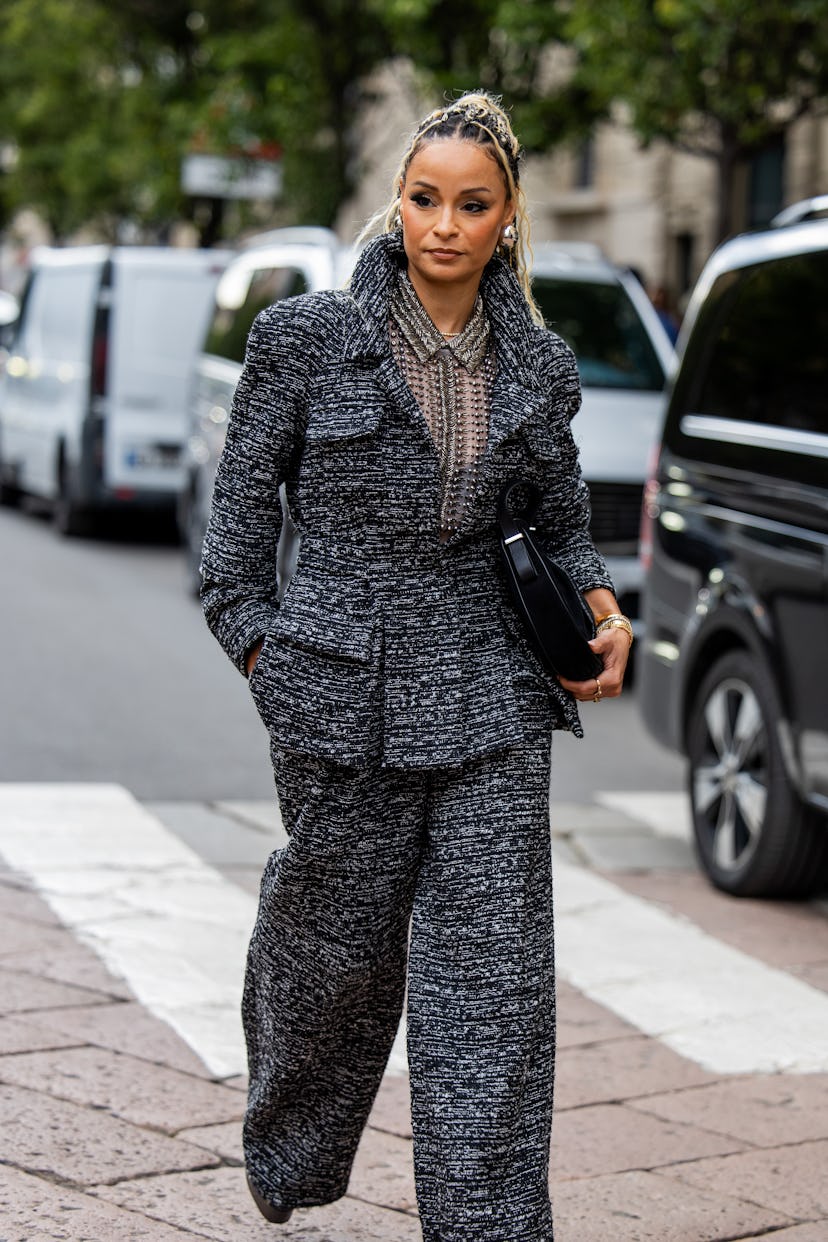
(475, 117)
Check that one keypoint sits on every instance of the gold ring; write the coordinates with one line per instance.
(596, 698)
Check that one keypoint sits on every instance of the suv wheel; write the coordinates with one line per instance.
(68, 516)
(9, 492)
(753, 834)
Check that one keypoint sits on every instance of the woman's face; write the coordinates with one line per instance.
(453, 208)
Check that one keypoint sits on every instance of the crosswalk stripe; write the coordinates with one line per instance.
(158, 916)
(704, 999)
(176, 930)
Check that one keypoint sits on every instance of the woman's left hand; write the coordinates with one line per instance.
(613, 645)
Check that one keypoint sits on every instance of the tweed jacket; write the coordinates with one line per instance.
(389, 644)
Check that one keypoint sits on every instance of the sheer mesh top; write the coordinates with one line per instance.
(451, 382)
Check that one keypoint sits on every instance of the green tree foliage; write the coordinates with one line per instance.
(718, 78)
(92, 103)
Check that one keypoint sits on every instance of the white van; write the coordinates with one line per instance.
(93, 400)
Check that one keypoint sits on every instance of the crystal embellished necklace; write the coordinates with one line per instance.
(450, 375)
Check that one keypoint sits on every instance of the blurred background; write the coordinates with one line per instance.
(654, 129)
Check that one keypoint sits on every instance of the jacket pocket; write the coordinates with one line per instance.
(315, 683)
(347, 418)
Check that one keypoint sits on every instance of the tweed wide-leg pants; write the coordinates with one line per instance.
(463, 855)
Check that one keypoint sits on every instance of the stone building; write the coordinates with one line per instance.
(653, 210)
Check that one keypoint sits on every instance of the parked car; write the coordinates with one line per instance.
(624, 356)
(734, 665)
(9, 309)
(93, 396)
(601, 310)
(276, 265)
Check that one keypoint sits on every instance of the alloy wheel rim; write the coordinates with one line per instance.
(730, 779)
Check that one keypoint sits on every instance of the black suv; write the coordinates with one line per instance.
(734, 665)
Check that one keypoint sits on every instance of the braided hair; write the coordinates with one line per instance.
(479, 118)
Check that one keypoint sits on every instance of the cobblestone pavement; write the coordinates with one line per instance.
(114, 1129)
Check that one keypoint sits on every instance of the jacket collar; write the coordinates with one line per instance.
(372, 285)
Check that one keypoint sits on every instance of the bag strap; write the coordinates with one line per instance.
(513, 532)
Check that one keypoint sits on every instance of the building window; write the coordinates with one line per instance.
(766, 175)
(585, 164)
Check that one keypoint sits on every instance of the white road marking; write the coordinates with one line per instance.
(176, 930)
(158, 916)
(707, 1001)
(163, 920)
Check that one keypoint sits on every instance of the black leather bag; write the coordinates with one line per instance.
(556, 615)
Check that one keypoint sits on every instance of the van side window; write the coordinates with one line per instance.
(236, 310)
(58, 308)
(769, 362)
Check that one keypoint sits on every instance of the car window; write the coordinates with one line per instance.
(769, 362)
(239, 302)
(604, 330)
(58, 312)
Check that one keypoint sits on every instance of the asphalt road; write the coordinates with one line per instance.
(109, 674)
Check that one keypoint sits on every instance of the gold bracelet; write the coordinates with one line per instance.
(615, 621)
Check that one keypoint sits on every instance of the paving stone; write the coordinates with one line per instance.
(25, 993)
(149, 1095)
(574, 817)
(609, 1138)
(582, 1021)
(219, 839)
(622, 1069)
(392, 1107)
(85, 1145)
(23, 1035)
(238, 1082)
(73, 964)
(816, 975)
(22, 902)
(22, 936)
(225, 1139)
(817, 1231)
(633, 851)
(126, 1027)
(248, 878)
(765, 1111)
(789, 1179)
(266, 817)
(383, 1171)
(33, 1210)
(644, 1207)
(783, 934)
(564, 851)
(216, 1204)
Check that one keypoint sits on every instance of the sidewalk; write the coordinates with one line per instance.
(113, 1129)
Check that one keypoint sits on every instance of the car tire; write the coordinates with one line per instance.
(754, 836)
(70, 519)
(9, 493)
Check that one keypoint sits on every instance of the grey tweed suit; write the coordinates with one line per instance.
(410, 730)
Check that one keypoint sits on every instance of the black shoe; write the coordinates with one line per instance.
(277, 1216)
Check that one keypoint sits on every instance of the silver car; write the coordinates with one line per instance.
(623, 355)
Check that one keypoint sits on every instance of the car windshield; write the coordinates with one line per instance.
(602, 326)
(239, 298)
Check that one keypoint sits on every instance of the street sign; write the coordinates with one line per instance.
(216, 176)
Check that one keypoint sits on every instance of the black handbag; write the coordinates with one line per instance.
(557, 618)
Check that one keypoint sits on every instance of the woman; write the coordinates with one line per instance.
(409, 720)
